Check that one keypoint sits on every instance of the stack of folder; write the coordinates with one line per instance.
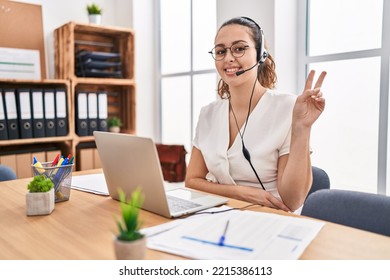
(98, 64)
(33, 113)
(91, 112)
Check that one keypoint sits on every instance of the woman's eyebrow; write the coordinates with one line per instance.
(234, 42)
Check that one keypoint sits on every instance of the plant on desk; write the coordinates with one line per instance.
(114, 124)
(40, 198)
(130, 243)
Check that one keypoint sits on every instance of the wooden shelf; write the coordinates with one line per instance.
(73, 37)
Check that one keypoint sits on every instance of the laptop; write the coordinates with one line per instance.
(129, 161)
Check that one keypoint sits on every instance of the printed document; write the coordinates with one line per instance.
(93, 183)
(246, 235)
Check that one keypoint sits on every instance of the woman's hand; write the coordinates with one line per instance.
(310, 104)
(261, 197)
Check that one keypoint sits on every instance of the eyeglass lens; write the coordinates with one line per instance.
(237, 50)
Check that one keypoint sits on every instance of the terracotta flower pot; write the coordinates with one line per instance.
(130, 250)
(40, 203)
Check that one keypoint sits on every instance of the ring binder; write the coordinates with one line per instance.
(24, 113)
(92, 113)
(3, 121)
(49, 109)
(82, 114)
(61, 112)
(11, 113)
(102, 111)
(38, 115)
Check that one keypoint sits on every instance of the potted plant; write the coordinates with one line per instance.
(130, 243)
(40, 198)
(94, 13)
(114, 124)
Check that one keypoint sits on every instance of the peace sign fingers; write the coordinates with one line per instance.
(310, 78)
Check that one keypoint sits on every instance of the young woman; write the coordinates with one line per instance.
(252, 144)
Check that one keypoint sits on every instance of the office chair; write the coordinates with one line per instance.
(360, 210)
(320, 180)
(6, 173)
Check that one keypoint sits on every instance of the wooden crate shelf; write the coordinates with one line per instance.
(73, 37)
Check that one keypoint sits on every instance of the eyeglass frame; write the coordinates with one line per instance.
(231, 52)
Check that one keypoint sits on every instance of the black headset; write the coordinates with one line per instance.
(262, 54)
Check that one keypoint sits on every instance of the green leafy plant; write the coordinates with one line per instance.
(40, 184)
(129, 225)
(94, 9)
(114, 121)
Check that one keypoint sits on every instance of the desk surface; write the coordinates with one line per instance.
(84, 227)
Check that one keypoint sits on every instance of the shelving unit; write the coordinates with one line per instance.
(121, 92)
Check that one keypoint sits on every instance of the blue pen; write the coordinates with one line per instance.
(222, 238)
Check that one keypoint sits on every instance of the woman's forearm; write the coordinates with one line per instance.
(297, 175)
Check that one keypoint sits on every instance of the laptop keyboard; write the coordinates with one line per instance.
(177, 204)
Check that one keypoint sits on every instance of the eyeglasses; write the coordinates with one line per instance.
(237, 50)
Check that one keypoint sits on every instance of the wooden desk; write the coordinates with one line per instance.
(84, 226)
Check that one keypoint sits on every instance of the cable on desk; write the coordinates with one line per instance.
(220, 211)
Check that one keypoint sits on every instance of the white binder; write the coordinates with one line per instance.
(102, 111)
(24, 113)
(11, 114)
(82, 114)
(92, 113)
(61, 113)
(49, 103)
(38, 113)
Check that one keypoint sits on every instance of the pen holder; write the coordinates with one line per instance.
(61, 177)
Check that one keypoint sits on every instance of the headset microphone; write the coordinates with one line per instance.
(238, 73)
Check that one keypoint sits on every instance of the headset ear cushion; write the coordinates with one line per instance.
(264, 56)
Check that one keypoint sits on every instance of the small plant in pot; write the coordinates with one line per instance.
(130, 243)
(94, 13)
(40, 198)
(114, 124)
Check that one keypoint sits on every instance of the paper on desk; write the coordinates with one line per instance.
(93, 183)
(250, 235)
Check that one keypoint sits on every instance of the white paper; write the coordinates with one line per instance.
(250, 235)
(93, 183)
(20, 64)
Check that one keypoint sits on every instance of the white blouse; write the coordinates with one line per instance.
(267, 137)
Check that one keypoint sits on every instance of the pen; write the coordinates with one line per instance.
(55, 161)
(58, 164)
(38, 165)
(65, 161)
(222, 238)
(60, 161)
